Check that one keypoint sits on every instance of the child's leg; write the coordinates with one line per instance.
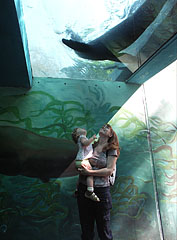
(90, 184)
(90, 190)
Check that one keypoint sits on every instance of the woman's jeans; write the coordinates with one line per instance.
(91, 212)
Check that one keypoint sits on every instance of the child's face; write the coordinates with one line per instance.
(81, 131)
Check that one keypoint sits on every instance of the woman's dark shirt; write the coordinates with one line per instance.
(98, 161)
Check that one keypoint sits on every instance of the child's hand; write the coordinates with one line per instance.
(94, 137)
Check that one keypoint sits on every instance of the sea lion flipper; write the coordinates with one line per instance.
(90, 51)
(77, 46)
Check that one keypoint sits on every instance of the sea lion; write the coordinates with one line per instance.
(90, 51)
(109, 45)
(25, 153)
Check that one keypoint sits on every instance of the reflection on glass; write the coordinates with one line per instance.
(123, 33)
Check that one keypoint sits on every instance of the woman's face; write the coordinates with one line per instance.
(106, 131)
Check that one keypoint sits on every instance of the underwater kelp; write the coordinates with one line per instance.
(166, 169)
(130, 125)
(60, 116)
(130, 201)
(45, 202)
(39, 208)
(101, 110)
(164, 140)
(166, 132)
(126, 198)
(14, 113)
(133, 208)
(7, 211)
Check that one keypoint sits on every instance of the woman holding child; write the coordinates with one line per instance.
(103, 161)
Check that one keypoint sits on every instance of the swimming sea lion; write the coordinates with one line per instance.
(109, 45)
(23, 152)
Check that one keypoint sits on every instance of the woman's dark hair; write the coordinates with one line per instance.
(74, 135)
(113, 142)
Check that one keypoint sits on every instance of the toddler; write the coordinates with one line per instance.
(84, 153)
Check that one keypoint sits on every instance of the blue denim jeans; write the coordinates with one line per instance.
(91, 212)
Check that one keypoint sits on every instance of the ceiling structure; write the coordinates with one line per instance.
(126, 41)
(15, 62)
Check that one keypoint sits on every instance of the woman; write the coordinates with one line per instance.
(105, 154)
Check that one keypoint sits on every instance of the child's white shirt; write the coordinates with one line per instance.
(84, 151)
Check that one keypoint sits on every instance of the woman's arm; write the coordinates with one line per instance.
(103, 172)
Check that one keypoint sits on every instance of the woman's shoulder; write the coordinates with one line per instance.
(111, 152)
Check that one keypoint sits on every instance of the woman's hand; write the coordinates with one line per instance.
(84, 170)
